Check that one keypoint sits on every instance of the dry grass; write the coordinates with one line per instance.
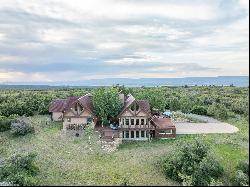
(68, 160)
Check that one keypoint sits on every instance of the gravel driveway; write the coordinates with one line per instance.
(212, 126)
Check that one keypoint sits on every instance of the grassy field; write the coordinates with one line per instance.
(67, 160)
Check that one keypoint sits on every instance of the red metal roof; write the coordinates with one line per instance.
(129, 99)
(86, 101)
(70, 101)
(65, 104)
(163, 123)
(144, 105)
(57, 106)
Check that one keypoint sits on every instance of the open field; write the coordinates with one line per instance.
(65, 160)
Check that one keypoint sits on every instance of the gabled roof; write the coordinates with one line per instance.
(65, 104)
(70, 100)
(86, 102)
(129, 99)
(57, 105)
(144, 105)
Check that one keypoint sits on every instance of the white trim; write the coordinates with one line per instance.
(165, 133)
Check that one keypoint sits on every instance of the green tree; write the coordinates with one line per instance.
(241, 179)
(19, 169)
(185, 105)
(200, 110)
(155, 96)
(106, 103)
(174, 104)
(192, 164)
(217, 110)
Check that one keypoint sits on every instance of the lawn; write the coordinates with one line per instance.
(68, 160)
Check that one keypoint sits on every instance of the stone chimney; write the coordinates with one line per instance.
(122, 97)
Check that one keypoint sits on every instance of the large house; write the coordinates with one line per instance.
(135, 120)
(75, 112)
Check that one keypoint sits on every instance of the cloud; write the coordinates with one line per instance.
(23, 77)
(2, 36)
(136, 59)
(244, 4)
(9, 59)
(112, 9)
(230, 35)
(51, 40)
(110, 46)
(154, 31)
(55, 36)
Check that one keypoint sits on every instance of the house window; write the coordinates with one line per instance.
(169, 131)
(81, 108)
(123, 121)
(123, 134)
(127, 121)
(127, 134)
(132, 134)
(142, 134)
(132, 121)
(142, 121)
(137, 107)
(132, 107)
(137, 134)
(137, 121)
(76, 107)
(69, 120)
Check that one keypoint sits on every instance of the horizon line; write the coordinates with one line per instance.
(10, 82)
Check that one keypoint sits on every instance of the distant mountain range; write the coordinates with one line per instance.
(240, 81)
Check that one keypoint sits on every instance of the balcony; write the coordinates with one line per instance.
(145, 126)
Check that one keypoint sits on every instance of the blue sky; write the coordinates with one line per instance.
(58, 40)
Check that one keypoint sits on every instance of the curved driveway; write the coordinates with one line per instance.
(212, 126)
